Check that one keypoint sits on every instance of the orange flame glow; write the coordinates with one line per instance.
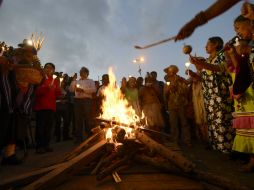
(115, 107)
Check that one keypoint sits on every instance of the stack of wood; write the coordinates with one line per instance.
(103, 158)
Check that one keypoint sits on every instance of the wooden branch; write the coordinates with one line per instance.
(100, 163)
(116, 177)
(125, 152)
(79, 149)
(174, 157)
(155, 44)
(26, 178)
(161, 165)
(107, 171)
(60, 174)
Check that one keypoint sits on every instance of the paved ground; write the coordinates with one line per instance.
(141, 178)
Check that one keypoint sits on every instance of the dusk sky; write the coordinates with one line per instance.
(98, 34)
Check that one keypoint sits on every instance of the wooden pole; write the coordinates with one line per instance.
(60, 174)
(83, 145)
(178, 159)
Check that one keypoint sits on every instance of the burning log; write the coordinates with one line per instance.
(111, 122)
(126, 153)
(174, 157)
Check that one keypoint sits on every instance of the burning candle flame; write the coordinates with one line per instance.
(187, 64)
(54, 77)
(109, 135)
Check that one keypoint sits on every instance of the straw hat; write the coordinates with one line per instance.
(172, 68)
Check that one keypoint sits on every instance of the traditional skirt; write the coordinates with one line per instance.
(244, 139)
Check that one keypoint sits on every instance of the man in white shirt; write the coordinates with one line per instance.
(84, 89)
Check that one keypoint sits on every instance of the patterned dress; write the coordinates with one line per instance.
(218, 106)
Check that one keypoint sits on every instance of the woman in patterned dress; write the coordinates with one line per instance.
(218, 104)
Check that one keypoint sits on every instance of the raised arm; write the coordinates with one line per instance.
(217, 8)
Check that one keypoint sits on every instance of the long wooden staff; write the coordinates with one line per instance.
(156, 43)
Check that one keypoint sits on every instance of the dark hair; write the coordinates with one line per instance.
(51, 64)
(241, 18)
(154, 73)
(84, 69)
(217, 40)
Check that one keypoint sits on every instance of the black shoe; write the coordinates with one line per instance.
(11, 160)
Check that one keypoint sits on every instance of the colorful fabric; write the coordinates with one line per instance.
(131, 94)
(244, 141)
(218, 106)
(243, 122)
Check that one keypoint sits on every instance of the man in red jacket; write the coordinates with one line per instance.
(45, 107)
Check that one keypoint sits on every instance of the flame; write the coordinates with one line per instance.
(109, 134)
(115, 106)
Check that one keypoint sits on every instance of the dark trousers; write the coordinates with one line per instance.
(83, 120)
(44, 125)
(7, 130)
(62, 113)
(179, 125)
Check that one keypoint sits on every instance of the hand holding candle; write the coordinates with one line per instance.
(54, 77)
(78, 89)
(187, 65)
(61, 80)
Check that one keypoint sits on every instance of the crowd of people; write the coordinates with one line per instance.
(215, 104)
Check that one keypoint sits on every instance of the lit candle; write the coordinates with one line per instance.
(61, 80)
(54, 77)
(168, 83)
(187, 65)
(77, 85)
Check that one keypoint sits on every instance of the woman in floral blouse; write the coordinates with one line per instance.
(218, 104)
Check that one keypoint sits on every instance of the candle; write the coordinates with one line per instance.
(168, 83)
(54, 77)
(187, 65)
(61, 80)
